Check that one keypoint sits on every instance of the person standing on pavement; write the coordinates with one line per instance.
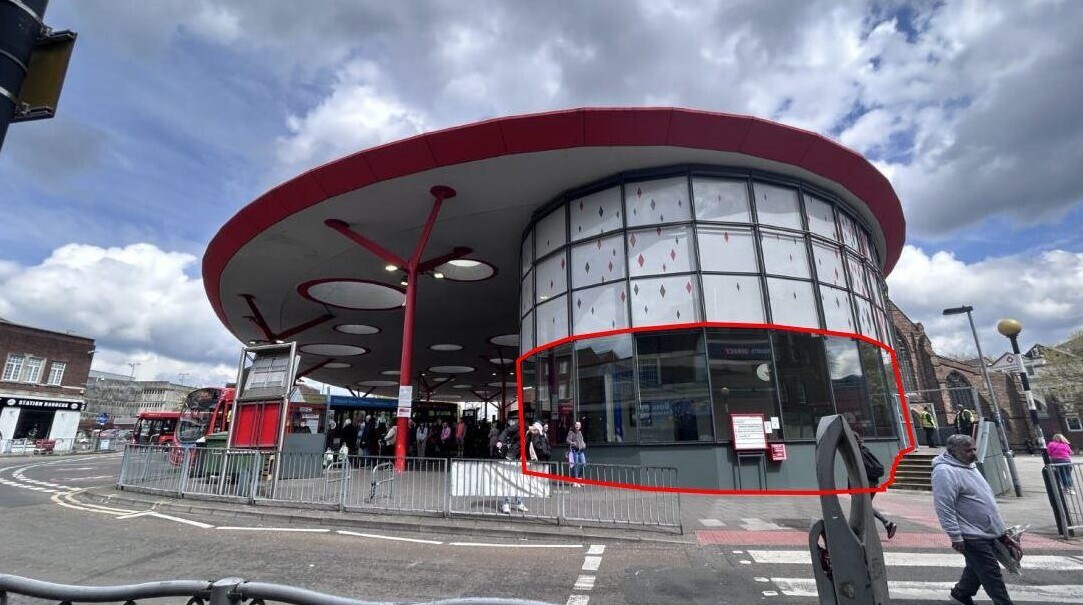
(968, 514)
(928, 422)
(1060, 452)
(460, 436)
(577, 451)
(349, 436)
(494, 436)
(964, 421)
(874, 469)
(422, 438)
(508, 444)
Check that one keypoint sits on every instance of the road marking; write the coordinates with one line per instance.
(86, 508)
(379, 537)
(494, 545)
(596, 549)
(755, 524)
(94, 478)
(578, 599)
(293, 529)
(584, 583)
(711, 523)
(150, 513)
(591, 563)
(936, 591)
(918, 559)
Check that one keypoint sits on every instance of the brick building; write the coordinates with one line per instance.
(42, 383)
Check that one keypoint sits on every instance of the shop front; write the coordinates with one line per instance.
(24, 420)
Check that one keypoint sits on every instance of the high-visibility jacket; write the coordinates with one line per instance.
(927, 420)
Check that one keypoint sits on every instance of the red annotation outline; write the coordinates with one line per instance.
(719, 492)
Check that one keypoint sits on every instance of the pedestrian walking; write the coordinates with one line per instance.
(874, 470)
(577, 451)
(538, 443)
(1060, 453)
(928, 422)
(508, 445)
(964, 421)
(460, 436)
(968, 514)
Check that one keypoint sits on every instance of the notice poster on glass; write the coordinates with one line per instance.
(748, 432)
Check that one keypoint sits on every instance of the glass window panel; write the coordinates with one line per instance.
(877, 285)
(526, 334)
(660, 250)
(598, 262)
(653, 202)
(777, 206)
(550, 233)
(530, 387)
(857, 276)
(863, 243)
(801, 372)
(828, 264)
(552, 318)
(735, 298)
(784, 254)
(848, 384)
(727, 249)
(675, 404)
(526, 294)
(865, 325)
(607, 401)
(527, 254)
(595, 214)
(792, 303)
(664, 300)
(837, 312)
(555, 399)
(600, 308)
(881, 389)
(880, 318)
(721, 200)
(742, 376)
(849, 230)
(821, 217)
(552, 279)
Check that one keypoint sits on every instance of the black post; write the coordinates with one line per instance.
(20, 26)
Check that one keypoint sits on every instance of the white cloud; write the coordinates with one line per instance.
(136, 302)
(1044, 292)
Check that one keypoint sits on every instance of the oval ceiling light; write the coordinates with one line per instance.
(498, 384)
(378, 383)
(333, 350)
(357, 294)
(336, 365)
(446, 347)
(500, 361)
(390, 372)
(505, 340)
(359, 329)
(462, 386)
(465, 269)
(440, 379)
(451, 369)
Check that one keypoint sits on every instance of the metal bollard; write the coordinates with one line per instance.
(849, 568)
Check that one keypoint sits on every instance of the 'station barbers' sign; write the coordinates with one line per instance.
(42, 404)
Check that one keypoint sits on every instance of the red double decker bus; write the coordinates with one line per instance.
(155, 428)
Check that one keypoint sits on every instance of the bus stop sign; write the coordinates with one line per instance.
(102, 419)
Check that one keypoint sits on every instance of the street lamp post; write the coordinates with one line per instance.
(1007, 451)
(1011, 328)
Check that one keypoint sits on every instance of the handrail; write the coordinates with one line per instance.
(227, 591)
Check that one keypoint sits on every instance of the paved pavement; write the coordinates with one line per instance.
(736, 550)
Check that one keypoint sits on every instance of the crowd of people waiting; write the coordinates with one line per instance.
(464, 438)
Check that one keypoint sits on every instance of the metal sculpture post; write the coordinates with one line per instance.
(849, 565)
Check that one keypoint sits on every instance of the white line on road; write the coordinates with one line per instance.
(591, 563)
(584, 583)
(711, 523)
(150, 513)
(379, 537)
(918, 559)
(578, 599)
(495, 545)
(59, 499)
(596, 549)
(938, 591)
(312, 530)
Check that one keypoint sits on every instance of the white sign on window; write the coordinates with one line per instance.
(748, 431)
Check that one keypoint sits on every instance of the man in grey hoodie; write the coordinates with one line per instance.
(968, 514)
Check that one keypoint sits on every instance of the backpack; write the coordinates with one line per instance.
(873, 468)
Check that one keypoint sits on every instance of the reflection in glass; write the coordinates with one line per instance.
(721, 200)
(607, 406)
(848, 384)
(742, 376)
(837, 313)
(675, 404)
(555, 392)
(881, 389)
(802, 383)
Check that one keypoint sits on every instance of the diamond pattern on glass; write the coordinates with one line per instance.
(857, 275)
(726, 249)
(602, 308)
(595, 214)
(865, 323)
(792, 303)
(526, 300)
(828, 264)
(721, 200)
(552, 318)
(661, 201)
(733, 298)
(664, 300)
(526, 333)
(784, 254)
(849, 231)
(661, 250)
(552, 279)
(549, 234)
(777, 206)
(821, 218)
(837, 312)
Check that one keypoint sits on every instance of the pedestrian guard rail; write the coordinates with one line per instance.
(26, 447)
(1063, 482)
(455, 487)
(227, 591)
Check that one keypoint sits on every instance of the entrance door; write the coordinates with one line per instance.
(34, 424)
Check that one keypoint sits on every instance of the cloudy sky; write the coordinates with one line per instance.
(178, 112)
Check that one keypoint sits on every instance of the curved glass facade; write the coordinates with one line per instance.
(693, 245)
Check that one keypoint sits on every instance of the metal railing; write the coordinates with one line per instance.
(1065, 484)
(425, 486)
(26, 447)
(227, 591)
